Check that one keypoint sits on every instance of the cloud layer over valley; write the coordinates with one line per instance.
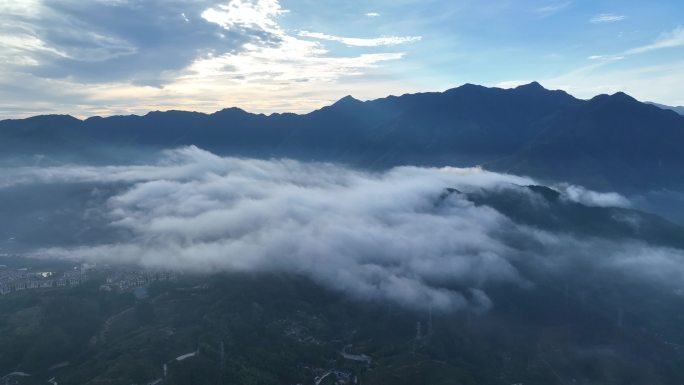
(398, 235)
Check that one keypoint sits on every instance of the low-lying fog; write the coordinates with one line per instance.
(395, 235)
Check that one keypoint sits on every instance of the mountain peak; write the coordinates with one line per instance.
(230, 111)
(619, 97)
(534, 86)
(347, 100)
(469, 86)
(51, 120)
(622, 96)
(61, 117)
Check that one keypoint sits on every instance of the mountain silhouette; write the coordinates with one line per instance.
(607, 142)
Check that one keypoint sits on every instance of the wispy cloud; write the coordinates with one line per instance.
(280, 57)
(372, 14)
(606, 18)
(657, 82)
(551, 9)
(606, 57)
(362, 42)
(674, 38)
(100, 42)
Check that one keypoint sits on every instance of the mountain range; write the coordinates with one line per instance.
(677, 109)
(609, 142)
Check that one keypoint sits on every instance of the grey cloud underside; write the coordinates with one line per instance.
(398, 236)
(135, 41)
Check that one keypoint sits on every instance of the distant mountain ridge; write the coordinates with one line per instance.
(608, 142)
(677, 109)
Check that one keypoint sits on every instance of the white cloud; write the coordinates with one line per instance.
(27, 8)
(552, 9)
(18, 41)
(674, 38)
(655, 83)
(22, 41)
(372, 14)
(282, 57)
(372, 236)
(231, 54)
(360, 42)
(606, 18)
(210, 94)
(387, 236)
(292, 60)
(606, 57)
(257, 14)
(586, 197)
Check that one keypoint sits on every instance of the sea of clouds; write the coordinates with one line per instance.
(380, 236)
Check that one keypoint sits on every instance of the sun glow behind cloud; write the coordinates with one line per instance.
(279, 57)
(132, 56)
(261, 59)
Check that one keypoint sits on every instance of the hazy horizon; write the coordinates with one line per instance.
(209, 112)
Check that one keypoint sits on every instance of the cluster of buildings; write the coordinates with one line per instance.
(12, 280)
(130, 280)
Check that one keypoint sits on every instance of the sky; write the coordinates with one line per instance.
(106, 57)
